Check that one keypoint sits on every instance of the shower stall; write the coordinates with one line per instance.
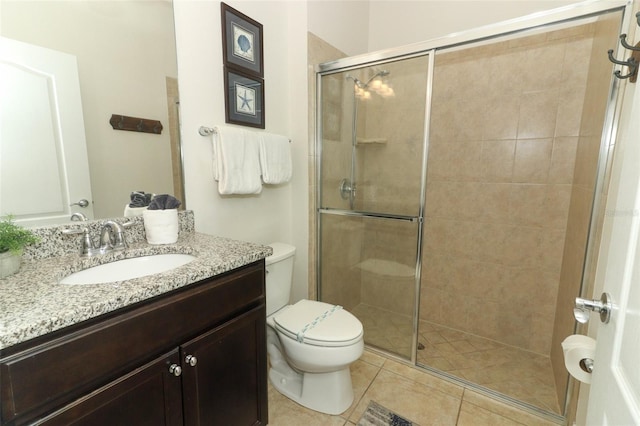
(460, 186)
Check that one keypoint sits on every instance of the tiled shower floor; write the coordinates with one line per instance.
(519, 374)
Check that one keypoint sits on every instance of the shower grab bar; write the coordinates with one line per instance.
(357, 213)
(208, 131)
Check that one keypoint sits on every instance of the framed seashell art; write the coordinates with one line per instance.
(241, 42)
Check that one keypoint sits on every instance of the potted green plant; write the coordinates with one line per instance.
(13, 239)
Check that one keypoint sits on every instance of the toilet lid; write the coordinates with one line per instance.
(319, 324)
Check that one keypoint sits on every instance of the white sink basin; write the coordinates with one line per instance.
(127, 269)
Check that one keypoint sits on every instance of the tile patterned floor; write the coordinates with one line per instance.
(522, 375)
(519, 374)
(412, 393)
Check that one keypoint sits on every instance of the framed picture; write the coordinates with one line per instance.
(244, 98)
(241, 41)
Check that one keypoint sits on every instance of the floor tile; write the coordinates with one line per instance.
(362, 374)
(411, 392)
(498, 367)
(471, 397)
(415, 401)
(285, 412)
(422, 377)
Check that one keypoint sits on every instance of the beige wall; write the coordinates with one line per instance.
(269, 216)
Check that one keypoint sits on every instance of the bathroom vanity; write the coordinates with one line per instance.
(185, 347)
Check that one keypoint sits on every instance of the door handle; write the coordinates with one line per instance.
(82, 203)
(602, 306)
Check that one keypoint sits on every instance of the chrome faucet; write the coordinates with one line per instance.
(112, 237)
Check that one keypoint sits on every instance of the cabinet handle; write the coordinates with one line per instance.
(175, 369)
(191, 360)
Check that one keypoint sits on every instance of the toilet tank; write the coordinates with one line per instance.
(279, 276)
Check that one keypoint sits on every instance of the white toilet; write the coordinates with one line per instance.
(310, 344)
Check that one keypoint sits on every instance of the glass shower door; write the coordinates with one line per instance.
(370, 190)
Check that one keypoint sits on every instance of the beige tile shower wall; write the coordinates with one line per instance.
(342, 238)
(389, 166)
(389, 153)
(598, 83)
(389, 265)
(504, 134)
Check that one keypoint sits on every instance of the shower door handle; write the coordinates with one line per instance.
(602, 306)
(347, 189)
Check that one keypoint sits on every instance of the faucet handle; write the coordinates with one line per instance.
(76, 231)
(86, 247)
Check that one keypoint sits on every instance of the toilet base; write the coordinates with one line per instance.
(329, 393)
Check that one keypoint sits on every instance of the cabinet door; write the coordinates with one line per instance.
(228, 384)
(149, 395)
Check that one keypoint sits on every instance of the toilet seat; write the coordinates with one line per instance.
(319, 324)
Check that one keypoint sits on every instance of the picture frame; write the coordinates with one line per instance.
(241, 41)
(243, 98)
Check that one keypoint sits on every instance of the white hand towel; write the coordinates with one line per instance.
(236, 161)
(275, 158)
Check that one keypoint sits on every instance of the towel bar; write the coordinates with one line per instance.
(208, 131)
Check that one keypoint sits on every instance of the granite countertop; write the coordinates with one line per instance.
(33, 303)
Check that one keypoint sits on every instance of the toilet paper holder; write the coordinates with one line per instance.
(602, 306)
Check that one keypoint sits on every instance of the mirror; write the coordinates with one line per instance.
(126, 65)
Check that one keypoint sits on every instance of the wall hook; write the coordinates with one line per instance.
(631, 63)
(623, 41)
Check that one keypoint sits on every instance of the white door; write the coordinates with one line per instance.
(44, 169)
(614, 397)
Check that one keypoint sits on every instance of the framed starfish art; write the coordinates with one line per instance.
(244, 98)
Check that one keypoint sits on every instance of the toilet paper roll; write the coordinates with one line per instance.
(576, 348)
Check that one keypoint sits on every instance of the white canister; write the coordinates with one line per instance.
(9, 263)
(161, 226)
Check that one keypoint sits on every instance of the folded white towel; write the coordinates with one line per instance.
(275, 158)
(236, 164)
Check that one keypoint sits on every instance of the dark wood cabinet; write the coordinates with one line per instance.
(221, 388)
(148, 396)
(196, 356)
